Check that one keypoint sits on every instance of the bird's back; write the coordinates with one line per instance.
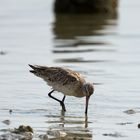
(61, 79)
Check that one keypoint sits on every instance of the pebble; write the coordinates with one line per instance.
(130, 111)
(20, 133)
(139, 125)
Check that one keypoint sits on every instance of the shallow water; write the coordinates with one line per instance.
(103, 48)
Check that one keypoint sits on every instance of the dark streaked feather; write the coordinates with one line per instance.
(58, 75)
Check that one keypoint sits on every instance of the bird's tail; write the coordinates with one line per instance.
(37, 70)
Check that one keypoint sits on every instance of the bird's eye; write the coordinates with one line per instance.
(86, 89)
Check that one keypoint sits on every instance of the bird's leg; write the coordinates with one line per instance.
(63, 98)
(86, 121)
(61, 102)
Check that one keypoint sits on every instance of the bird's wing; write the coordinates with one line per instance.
(62, 76)
(57, 75)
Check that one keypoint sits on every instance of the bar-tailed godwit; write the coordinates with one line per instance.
(66, 81)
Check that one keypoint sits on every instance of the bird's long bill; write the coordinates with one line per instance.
(87, 100)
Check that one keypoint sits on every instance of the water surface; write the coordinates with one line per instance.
(105, 49)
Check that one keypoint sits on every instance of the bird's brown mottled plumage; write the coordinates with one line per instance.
(63, 80)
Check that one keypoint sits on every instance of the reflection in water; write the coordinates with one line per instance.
(79, 60)
(72, 26)
(79, 43)
(81, 51)
(77, 40)
(74, 34)
(68, 127)
(63, 119)
(59, 125)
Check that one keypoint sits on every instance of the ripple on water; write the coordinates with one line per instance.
(79, 60)
(59, 125)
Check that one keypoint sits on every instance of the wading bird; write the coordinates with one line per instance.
(64, 80)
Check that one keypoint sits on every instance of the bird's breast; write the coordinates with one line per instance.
(69, 90)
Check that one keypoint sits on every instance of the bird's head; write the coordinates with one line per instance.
(88, 89)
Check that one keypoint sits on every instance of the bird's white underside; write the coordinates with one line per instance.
(69, 90)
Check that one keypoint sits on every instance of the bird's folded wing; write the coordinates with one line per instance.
(61, 76)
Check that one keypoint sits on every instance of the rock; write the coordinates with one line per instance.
(23, 129)
(20, 133)
(43, 137)
(85, 6)
(130, 111)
